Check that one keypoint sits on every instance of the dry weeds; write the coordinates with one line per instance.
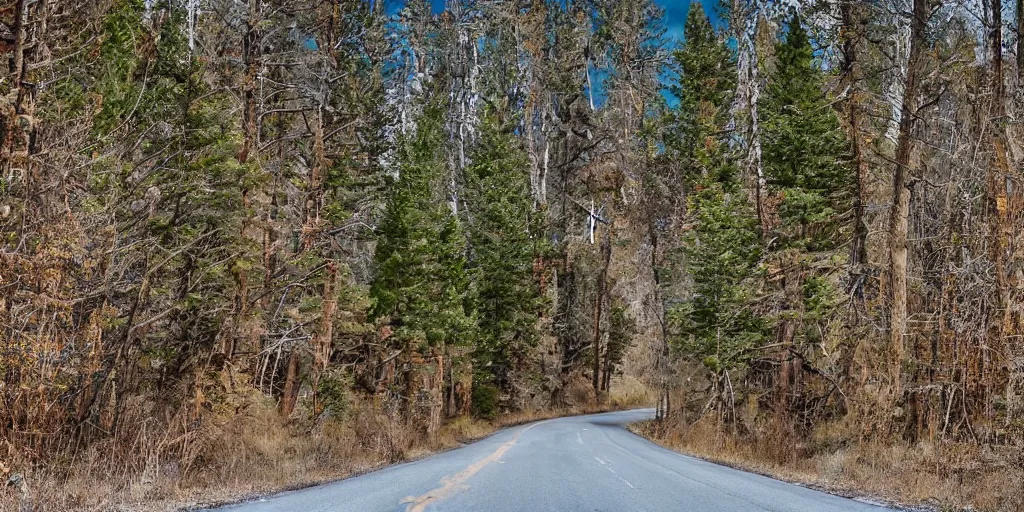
(250, 453)
(931, 474)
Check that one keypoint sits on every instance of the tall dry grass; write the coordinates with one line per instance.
(248, 451)
(941, 475)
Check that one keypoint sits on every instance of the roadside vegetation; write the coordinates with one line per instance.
(927, 475)
(249, 454)
(851, 319)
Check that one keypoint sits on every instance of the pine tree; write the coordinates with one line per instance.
(707, 79)
(422, 287)
(806, 153)
(722, 250)
(718, 324)
(188, 202)
(810, 175)
(503, 241)
(621, 331)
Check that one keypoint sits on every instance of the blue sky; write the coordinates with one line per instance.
(675, 15)
(675, 12)
(675, 20)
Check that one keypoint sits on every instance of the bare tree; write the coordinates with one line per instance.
(901, 183)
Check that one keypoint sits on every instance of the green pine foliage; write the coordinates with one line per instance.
(722, 250)
(718, 325)
(621, 331)
(805, 150)
(503, 242)
(707, 78)
(422, 287)
(810, 177)
(179, 188)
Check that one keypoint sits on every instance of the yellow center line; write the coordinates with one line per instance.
(450, 484)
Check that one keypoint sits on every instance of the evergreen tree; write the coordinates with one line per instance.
(809, 172)
(501, 235)
(722, 250)
(621, 330)
(179, 188)
(718, 324)
(806, 154)
(707, 79)
(422, 287)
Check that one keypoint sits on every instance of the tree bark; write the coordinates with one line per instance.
(324, 336)
(602, 284)
(606, 379)
(17, 120)
(748, 89)
(1020, 42)
(291, 385)
(851, 70)
(898, 217)
(250, 59)
(1000, 226)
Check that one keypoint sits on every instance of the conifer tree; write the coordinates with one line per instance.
(806, 153)
(621, 331)
(422, 287)
(502, 239)
(189, 201)
(810, 175)
(718, 324)
(707, 79)
(722, 250)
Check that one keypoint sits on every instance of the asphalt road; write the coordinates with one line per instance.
(584, 463)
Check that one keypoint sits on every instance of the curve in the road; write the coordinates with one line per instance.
(575, 464)
(450, 484)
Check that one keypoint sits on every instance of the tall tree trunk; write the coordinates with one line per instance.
(898, 217)
(291, 385)
(315, 186)
(996, 54)
(602, 284)
(324, 336)
(17, 118)
(748, 92)
(661, 358)
(606, 379)
(250, 60)
(1000, 226)
(851, 70)
(1020, 42)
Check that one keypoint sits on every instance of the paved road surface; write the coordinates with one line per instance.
(584, 463)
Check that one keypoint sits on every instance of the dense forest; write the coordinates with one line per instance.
(799, 225)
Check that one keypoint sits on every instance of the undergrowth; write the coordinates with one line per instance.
(940, 475)
(251, 451)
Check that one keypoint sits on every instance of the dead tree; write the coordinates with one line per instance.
(898, 216)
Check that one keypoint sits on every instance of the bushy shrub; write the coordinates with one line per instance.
(485, 401)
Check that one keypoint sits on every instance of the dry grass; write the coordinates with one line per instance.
(250, 452)
(247, 455)
(942, 476)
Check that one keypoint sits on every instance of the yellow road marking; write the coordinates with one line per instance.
(450, 484)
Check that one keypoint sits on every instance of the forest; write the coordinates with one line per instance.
(295, 239)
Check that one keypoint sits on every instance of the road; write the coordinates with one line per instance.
(584, 463)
